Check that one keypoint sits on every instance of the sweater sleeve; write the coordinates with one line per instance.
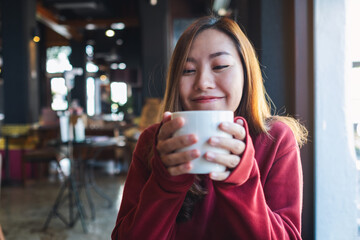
(267, 206)
(151, 198)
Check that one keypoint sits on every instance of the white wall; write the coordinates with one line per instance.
(335, 172)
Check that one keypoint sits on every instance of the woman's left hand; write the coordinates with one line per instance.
(235, 145)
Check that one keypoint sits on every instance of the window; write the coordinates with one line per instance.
(90, 93)
(56, 64)
(59, 93)
(58, 59)
(118, 92)
(336, 175)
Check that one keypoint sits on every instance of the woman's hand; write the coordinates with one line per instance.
(235, 145)
(176, 162)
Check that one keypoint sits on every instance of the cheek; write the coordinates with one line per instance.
(237, 95)
(235, 99)
(234, 86)
(183, 90)
(239, 91)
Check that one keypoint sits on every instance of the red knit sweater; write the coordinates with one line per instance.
(261, 199)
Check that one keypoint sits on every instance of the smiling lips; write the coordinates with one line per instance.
(206, 99)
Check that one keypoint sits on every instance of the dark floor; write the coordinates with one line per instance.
(23, 211)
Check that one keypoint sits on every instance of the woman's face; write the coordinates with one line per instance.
(213, 76)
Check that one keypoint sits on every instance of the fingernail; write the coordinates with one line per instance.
(243, 132)
(240, 121)
(195, 153)
(210, 156)
(193, 138)
(225, 124)
(181, 121)
(188, 166)
(214, 140)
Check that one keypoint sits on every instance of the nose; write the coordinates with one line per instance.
(205, 80)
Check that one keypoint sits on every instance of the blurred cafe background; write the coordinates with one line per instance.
(80, 80)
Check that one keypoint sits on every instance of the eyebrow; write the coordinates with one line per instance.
(213, 55)
(218, 54)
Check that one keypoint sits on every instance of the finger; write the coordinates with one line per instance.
(235, 146)
(166, 116)
(240, 121)
(180, 158)
(172, 144)
(219, 176)
(169, 127)
(180, 169)
(235, 129)
(228, 160)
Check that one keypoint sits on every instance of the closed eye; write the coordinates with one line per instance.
(188, 71)
(219, 67)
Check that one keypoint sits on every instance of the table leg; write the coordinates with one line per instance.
(73, 195)
(89, 198)
(97, 189)
(54, 209)
(79, 206)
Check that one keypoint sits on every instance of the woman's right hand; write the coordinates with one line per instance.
(176, 162)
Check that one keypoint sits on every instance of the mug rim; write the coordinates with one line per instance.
(198, 111)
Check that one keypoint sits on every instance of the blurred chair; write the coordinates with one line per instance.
(1, 232)
(150, 113)
(42, 154)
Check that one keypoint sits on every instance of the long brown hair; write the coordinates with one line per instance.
(255, 105)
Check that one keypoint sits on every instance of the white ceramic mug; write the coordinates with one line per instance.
(204, 124)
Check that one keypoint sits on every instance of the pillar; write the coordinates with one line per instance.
(277, 52)
(21, 85)
(155, 47)
(78, 60)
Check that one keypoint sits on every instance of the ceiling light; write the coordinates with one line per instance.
(89, 50)
(103, 77)
(91, 67)
(118, 26)
(114, 66)
(35, 34)
(36, 39)
(222, 12)
(110, 33)
(153, 2)
(122, 66)
(90, 26)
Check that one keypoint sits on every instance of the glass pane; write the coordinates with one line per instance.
(59, 94)
(58, 59)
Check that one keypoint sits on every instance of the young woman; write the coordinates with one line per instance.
(259, 196)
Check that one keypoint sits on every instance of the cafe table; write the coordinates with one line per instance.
(81, 155)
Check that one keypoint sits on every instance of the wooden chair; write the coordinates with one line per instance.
(42, 154)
